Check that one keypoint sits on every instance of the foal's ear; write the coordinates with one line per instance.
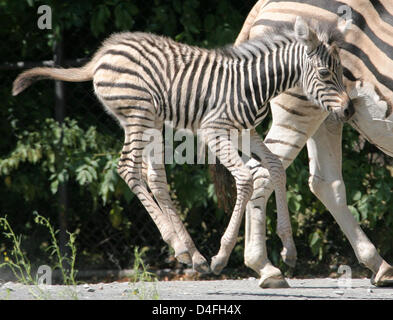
(304, 34)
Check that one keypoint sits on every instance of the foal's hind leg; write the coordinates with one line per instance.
(138, 165)
(181, 252)
(130, 169)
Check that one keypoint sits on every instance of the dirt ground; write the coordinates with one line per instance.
(246, 289)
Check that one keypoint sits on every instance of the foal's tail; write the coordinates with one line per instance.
(26, 78)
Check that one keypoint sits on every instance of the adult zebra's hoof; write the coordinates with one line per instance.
(273, 282)
(384, 277)
(271, 277)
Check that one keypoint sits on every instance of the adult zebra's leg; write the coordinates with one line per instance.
(295, 119)
(157, 182)
(326, 182)
(223, 148)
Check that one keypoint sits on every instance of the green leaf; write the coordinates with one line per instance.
(354, 212)
(294, 202)
(315, 241)
(314, 238)
(108, 184)
(115, 215)
(54, 186)
(357, 196)
(363, 209)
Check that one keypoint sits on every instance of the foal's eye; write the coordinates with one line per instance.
(323, 73)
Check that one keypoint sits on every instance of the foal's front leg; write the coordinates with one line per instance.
(223, 148)
(255, 251)
(277, 175)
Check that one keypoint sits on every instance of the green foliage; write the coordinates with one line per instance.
(62, 261)
(191, 186)
(18, 262)
(143, 283)
(64, 152)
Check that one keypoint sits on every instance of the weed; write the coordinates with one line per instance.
(20, 265)
(68, 275)
(143, 283)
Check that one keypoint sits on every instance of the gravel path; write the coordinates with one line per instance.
(247, 289)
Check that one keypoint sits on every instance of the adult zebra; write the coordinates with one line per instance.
(145, 80)
(367, 60)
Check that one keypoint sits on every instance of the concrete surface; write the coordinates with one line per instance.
(247, 289)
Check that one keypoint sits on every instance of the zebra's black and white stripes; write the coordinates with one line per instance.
(144, 80)
(188, 86)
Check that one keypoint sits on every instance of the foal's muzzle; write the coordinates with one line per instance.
(345, 112)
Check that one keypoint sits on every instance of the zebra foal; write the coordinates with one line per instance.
(144, 80)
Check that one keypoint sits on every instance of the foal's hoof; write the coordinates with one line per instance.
(202, 267)
(200, 264)
(289, 259)
(184, 257)
(218, 264)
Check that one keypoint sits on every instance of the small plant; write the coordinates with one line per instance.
(68, 275)
(20, 265)
(143, 283)
(16, 260)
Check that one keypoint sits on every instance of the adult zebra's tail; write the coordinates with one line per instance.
(26, 78)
